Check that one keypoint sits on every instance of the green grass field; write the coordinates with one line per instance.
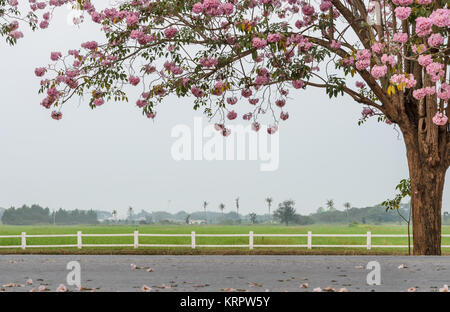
(210, 229)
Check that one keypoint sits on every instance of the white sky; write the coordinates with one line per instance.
(113, 157)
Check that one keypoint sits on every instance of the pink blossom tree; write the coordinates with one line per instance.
(13, 17)
(252, 52)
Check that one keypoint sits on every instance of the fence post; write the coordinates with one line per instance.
(79, 241)
(136, 239)
(309, 240)
(369, 240)
(250, 240)
(193, 239)
(24, 240)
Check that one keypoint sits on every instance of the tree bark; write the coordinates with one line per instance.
(427, 184)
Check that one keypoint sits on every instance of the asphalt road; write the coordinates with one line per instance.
(224, 273)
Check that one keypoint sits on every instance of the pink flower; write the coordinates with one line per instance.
(325, 5)
(272, 129)
(197, 92)
(298, 84)
(400, 37)
(232, 115)
(227, 8)
(151, 115)
(197, 8)
(421, 93)
(284, 115)
(54, 56)
(56, 115)
(253, 101)
(40, 71)
(280, 103)
(440, 119)
(444, 92)
(335, 44)
(423, 26)
(16, 34)
(259, 43)
(360, 84)
(441, 17)
(402, 13)
(435, 40)
(388, 59)
(419, 48)
(256, 126)
(425, 60)
(367, 112)
(99, 102)
(170, 32)
(90, 45)
(232, 100)
(274, 37)
(246, 93)
(308, 10)
(134, 80)
(247, 116)
(377, 47)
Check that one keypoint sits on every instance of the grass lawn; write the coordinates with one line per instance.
(210, 229)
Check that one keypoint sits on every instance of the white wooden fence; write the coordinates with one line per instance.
(251, 237)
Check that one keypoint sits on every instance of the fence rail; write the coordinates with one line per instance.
(251, 236)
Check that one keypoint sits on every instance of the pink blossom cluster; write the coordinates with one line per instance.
(444, 92)
(367, 112)
(400, 37)
(362, 59)
(197, 92)
(403, 79)
(389, 59)
(208, 61)
(435, 70)
(440, 119)
(402, 13)
(435, 40)
(259, 43)
(335, 44)
(171, 67)
(13, 26)
(263, 77)
(213, 8)
(403, 2)
(377, 47)
(379, 71)
(422, 92)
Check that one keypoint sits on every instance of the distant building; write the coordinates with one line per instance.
(197, 222)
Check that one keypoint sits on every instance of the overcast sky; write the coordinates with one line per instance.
(113, 157)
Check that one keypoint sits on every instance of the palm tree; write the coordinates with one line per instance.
(330, 204)
(222, 207)
(114, 213)
(347, 206)
(237, 206)
(130, 214)
(205, 204)
(269, 201)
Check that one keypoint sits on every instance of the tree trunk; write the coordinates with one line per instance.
(427, 184)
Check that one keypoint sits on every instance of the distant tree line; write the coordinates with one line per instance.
(38, 215)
